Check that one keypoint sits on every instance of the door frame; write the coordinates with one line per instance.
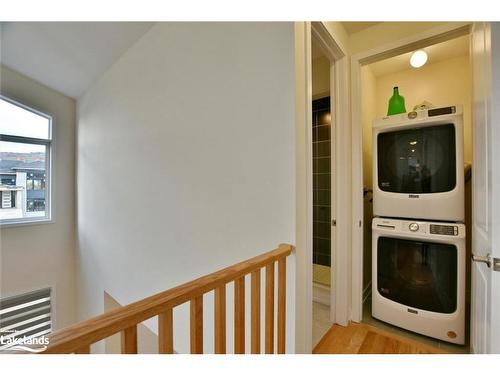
(417, 41)
(339, 151)
(339, 86)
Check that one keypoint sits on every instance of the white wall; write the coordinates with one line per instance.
(36, 256)
(320, 77)
(443, 83)
(369, 112)
(186, 164)
(147, 341)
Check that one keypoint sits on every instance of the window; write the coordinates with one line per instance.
(25, 148)
(24, 317)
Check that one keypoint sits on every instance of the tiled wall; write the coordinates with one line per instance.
(321, 122)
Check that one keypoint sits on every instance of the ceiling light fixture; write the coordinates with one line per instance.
(418, 58)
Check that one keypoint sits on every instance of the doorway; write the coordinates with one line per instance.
(322, 202)
(444, 81)
(338, 309)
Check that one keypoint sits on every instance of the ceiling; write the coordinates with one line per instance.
(354, 27)
(437, 52)
(67, 56)
(350, 28)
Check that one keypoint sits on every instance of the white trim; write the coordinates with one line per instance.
(341, 257)
(340, 183)
(303, 155)
(426, 38)
(340, 176)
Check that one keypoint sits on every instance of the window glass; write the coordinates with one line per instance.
(23, 170)
(418, 274)
(420, 160)
(18, 121)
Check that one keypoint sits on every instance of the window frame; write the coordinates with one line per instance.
(49, 144)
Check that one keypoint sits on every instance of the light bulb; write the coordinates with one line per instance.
(418, 58)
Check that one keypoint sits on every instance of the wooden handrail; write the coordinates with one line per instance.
(78, 337)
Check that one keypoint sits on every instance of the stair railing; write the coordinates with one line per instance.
(79, 337)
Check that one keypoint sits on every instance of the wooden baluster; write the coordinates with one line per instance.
(269, 309)
(220, 320)
(255, 324)
(197, 325)
(124, 320)
(83, 350)
(239, 315)
(281, 305)
(166, 332)
(129, 340)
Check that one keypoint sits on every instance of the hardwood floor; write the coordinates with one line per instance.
(364, 339)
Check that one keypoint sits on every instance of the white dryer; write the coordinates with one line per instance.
(418, 166)
(418, 276)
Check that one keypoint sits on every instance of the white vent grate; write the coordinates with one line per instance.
(27, 315)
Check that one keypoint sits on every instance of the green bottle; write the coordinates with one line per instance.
(396, 103)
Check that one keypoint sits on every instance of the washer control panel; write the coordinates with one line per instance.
(446, 230)
(419, 229)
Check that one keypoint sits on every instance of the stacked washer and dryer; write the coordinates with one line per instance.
(418, 231)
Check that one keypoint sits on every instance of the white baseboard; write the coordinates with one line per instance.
(367, 291)
(321, 294)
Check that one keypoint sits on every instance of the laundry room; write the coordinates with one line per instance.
(417, 155)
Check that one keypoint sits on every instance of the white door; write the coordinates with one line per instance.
(485, 303)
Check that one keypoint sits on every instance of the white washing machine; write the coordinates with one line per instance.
(418, 166)
(418, 276)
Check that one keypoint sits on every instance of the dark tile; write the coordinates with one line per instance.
(324, 246)
(323, 214)
(315, 149)
(324, 118)
(315, 197)
(322, 133)
(315, 119)
(323, 181)
(322, 197)
(324, 260)
(322, 230)
(322, 165)
(315, 213)
(323, 148)
(321, 104)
